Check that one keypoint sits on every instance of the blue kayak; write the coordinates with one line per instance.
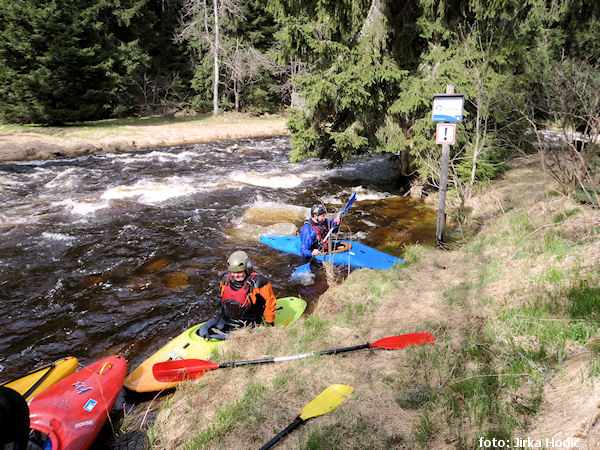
(358, 255)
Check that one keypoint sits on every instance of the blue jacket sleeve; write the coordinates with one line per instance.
(307, 236)
(333, 225)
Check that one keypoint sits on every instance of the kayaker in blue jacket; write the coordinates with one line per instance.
(315, 230)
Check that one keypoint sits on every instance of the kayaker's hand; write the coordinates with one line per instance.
(316, 252)
(269, 324)
(337, 220)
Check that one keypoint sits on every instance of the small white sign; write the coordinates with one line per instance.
(447, 108)
(445, 133)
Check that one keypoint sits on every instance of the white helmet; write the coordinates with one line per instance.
(238, 262)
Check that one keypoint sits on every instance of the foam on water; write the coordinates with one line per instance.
(56, 236)
(152, 191)
(66, 179)
(154, 156)
(81, 208)
(267, 180)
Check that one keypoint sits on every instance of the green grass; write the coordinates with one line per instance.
(113, 125)
(425, 430)
(314, 328)
(458, 294)
(243, 412)
(553, 275)
(360, 427)
(555, 245)
(521, 226)
(488, 273)
(413, 254)
(584, 303)
(414, 397)
(562, 217)
(354, 312)
(475, 248)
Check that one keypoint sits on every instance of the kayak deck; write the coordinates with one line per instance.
(40, 379)
(190, 344)
(359, 255)
(72, 412)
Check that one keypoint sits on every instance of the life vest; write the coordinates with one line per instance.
(321, 231)
(236, 304)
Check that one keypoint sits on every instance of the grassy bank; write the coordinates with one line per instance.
(515, 308)
(27, 142)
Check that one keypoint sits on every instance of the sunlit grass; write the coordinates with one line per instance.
(242, 412)
(121, 125)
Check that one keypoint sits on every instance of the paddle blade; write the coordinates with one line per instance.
(302, 271)
(349, 204)
(404, 340)
(326, 401)
(181, 369)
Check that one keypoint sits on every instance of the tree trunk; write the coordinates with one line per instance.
(480, 130)
(236, 94)
(216, 61)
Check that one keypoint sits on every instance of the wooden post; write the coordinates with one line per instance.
(441, 218)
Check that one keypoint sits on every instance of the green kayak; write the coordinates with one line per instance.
(190, 344)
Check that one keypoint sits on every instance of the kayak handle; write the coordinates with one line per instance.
(106, 366)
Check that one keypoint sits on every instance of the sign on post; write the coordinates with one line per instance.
(445, 133)
(447, 107)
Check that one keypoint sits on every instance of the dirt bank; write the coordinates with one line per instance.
(21, 143)
(513, 304)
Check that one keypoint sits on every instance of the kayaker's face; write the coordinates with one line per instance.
(320, 218)
(238, 276)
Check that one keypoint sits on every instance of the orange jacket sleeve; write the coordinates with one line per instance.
(264, 288)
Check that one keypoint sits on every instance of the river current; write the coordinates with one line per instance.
(118, 253)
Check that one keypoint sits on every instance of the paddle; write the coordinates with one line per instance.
(304, 269)
(186, 369)
(326, 401)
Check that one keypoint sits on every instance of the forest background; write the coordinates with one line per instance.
(355, 76)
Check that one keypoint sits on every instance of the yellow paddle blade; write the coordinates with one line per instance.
(326, 401)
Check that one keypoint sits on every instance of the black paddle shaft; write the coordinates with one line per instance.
(290, 358)
(344, 349)
(282, 433)
(40, 381)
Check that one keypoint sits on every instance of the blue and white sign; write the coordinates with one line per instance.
(90, 405)
(447, 108)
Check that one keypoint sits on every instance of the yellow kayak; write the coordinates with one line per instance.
(39, 379)
(190, 344)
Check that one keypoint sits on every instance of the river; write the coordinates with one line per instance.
(118, 253)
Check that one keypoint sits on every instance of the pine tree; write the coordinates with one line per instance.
(62, 61)
(355, 52)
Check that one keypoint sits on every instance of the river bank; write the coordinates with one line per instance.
(30, 142)
(514, 306)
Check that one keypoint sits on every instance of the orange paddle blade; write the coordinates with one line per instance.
(181, 369)
(404, 340)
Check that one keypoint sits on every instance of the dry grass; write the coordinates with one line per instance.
(496, 369)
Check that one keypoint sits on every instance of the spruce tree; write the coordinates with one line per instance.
(61, 60)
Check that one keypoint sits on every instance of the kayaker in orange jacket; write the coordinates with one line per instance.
(246, 295)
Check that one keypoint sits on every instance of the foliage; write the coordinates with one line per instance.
(66, 61)
(237, 42)
(353, 78)
(566, 98)
(358, 75)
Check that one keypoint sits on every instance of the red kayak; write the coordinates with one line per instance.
(72, 412)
